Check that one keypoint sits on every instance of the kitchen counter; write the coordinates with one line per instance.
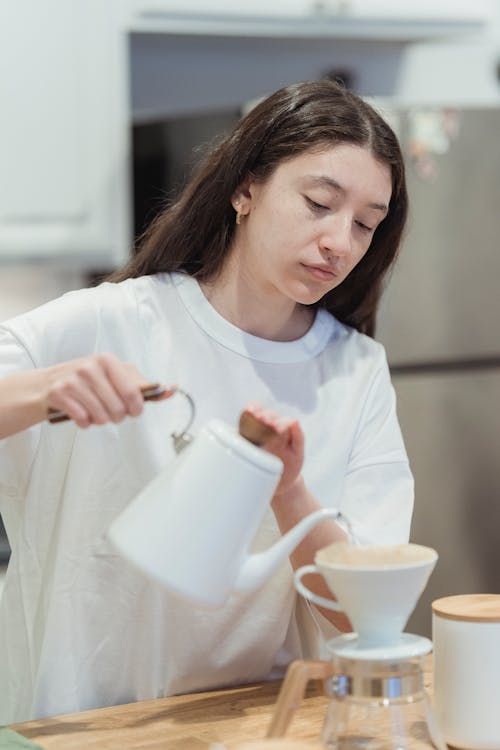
(186, 722)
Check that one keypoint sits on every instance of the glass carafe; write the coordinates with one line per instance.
(377, 700)
(379, 705)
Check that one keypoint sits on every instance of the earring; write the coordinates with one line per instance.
(237, 209)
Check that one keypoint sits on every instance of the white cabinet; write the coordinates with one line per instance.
(401, 20)
(454, 12)
(63, 133)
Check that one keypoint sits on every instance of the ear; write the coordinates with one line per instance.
(241, 199)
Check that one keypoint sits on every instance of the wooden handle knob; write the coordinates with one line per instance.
(254, 430)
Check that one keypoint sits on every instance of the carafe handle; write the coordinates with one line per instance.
(292, 691)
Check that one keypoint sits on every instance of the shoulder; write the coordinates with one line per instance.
(353, 346)
(71, 325)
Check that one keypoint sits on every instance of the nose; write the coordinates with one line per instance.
(336, 237)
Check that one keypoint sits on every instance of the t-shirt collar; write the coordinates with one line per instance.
(246, 344)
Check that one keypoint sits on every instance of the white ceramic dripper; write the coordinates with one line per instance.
(377, 586)
(191, 528)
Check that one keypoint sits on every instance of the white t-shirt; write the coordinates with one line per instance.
(79, 628)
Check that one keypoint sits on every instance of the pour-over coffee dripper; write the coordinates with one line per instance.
(375, 674)
(377, 586)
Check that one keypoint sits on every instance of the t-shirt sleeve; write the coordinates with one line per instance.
(16, 452)
(378, 490)
(58, 331)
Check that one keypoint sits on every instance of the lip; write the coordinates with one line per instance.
(324, 273)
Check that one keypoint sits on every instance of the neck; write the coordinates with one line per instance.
(241, 298)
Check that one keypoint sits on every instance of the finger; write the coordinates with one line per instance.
(279, 436)
(59, 413)
(276, 443)
(296, 435)
(288, 437)
(80, 389)
(101, 397)
(70, 409)
(127, 380)
(89, 384)
(253, 407)
(279, 424)
(127, 383)
(267, 416)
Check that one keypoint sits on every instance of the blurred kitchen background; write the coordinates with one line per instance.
(107, 104)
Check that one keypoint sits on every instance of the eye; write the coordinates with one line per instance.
(314, 206)
(365, 227)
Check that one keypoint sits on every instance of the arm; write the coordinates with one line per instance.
(92, 390)
(292, 502)
(376, 481)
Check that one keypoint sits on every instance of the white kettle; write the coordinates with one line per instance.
(192, 526)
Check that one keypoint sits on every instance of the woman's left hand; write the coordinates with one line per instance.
(287, 443)
(292, 501)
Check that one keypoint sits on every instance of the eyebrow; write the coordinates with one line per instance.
(329, 182)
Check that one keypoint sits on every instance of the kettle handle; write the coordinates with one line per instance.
(298, 674)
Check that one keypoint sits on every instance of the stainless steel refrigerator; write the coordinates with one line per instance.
(440, 323)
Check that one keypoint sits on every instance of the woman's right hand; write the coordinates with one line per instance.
(96, 389)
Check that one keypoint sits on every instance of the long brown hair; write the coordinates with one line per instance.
(194, 234)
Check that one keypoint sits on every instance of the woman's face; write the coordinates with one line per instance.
(312, 221)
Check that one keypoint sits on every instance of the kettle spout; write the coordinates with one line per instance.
(257, 568)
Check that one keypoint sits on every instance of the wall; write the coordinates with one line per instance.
(463, 70)
(26, 286)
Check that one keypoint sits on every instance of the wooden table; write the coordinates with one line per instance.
(186, 722)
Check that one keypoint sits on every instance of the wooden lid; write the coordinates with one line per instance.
(469, 607)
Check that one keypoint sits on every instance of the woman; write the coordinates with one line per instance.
(261, 282)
